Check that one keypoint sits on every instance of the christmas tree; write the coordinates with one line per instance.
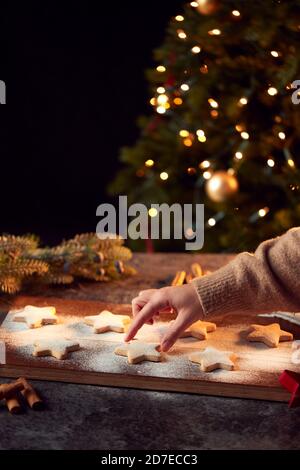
(224, 129)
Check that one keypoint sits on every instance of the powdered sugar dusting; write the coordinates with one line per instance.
(256, 363)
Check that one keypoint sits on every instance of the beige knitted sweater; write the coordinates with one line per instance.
(262, 282)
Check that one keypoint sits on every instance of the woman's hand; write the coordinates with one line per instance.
(183, 300)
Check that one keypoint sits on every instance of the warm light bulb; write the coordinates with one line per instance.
(185, 87)
(194, 4)
(281, 135)
(153, 101)
(189, 232)
(235, 13)
(274, 53)
(164, 176)
(272, 91)
(204, 164)
(153, 212)
(238, 155)
(207, 175)
(200, 133)
(240, 127)
(181, 34)
(213, 103)
(179, 18)
(188, 142)
(178, 101)
(161, 90)
(196, 49)
(245, 135)
(263, 212)
(161, 109)
(204, 69)
(243, 101)
(149, 163)
(291, 163)
(161, 68)
(162, 99)
(214, 32)
(184, 133)
(211, 222)
(271, 162)
(191, 171)
(202, 138)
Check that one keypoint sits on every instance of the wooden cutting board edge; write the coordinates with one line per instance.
(164, 384)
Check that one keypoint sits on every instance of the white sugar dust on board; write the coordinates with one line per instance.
(255, 364)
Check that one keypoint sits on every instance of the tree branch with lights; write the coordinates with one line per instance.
(83, 257)
(224, 130)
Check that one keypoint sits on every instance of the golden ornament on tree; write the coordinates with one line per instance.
(221, 186)
(208, 7)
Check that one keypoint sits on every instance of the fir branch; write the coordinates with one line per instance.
(23, 267)
(83, 257)
(53, 277)
(120, 253)
(11, 244)
(10, 284)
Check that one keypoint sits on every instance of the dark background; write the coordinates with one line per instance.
(74, 73)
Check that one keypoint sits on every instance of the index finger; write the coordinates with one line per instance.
(147, 312)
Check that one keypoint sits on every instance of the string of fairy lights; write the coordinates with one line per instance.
(167, 98)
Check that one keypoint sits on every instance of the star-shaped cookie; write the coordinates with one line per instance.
(211, 359)
(107, 321)
(58, 348)
(35, 317)
(199, 330)
(271, 335)
(137, 351)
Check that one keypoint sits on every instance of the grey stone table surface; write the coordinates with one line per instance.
(103, 418)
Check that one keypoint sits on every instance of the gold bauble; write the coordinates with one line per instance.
(208, 7)
(221, 186)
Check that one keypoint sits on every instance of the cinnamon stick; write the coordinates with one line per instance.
(179, 278)
(196, 270)
(30, 395)
(14, 406)
(9, 390)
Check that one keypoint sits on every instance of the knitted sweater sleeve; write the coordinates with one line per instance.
(264, 281)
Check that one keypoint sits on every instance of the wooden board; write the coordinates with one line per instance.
(256, 376)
